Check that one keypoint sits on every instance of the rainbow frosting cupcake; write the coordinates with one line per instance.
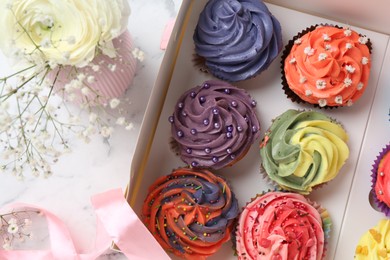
(303, 149)
(381, 180)
(214, 125)
(280, 225)
(237, 39)
(327, 66)
(190, 212)
(375, 243)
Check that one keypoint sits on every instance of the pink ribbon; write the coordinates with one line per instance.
(116, 222)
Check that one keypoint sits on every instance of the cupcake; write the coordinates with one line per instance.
(327, 66)
(303, 149)
(100, 81)
(381, 181)
(190, 212)
(237, 39)
(214, 125)
(281, 225)
(375, 243)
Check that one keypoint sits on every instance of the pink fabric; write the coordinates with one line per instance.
(116, 222)
(167, 34)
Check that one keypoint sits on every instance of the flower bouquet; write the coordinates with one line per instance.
(63, 53)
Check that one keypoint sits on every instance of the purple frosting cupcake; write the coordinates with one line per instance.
(237, 38)
(214, 125)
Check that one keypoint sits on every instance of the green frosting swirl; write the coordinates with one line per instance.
(303, 149)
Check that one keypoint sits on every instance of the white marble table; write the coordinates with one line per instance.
(97, 167)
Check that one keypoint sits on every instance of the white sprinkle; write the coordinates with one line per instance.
(364, 60)
(348, 46)
(320, 84)
(308, 92)
(308, 51)
(322, 56)
(363, 39)
(328, 47)
(350, 69)
(347, 32)
(326, 37)
(349, 103)
(360, 86)
(292, 61)
(322, 102)
(339, 100)
(347, 82)
(302, 79)
(298, 41)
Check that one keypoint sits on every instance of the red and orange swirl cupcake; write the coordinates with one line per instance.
(381, 180)
(327, 66)
(280, 225)
(190, 212)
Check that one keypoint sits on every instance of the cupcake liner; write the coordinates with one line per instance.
(381, 206)
(286, 51)
(324, 214)
(200, 63)
(105, 78)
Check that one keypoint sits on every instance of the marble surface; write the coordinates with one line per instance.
(97, 167)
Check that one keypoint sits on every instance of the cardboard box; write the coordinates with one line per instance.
(367, 123)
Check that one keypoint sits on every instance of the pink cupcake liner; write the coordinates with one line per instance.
(383, 207)
(111, 80)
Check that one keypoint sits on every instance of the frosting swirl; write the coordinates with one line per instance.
(328, 66)
(303, 149)
(237, 38)
(214, 124)
(382, 184)
(190, 212)
(374, 244)
(281, 225)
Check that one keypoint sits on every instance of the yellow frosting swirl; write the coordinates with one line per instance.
(328, 66)
(303, 149)
(375, 243)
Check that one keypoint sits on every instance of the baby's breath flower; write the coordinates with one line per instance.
(106, 131)
(121, 121)
(114, 103)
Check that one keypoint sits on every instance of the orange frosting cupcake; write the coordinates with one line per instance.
(328, 66)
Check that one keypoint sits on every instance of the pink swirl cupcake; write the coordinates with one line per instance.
(105, 78)
(381, 181)
(280, 225)
(327, 66)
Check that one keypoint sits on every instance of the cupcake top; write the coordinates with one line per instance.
(237, 38)
(303, 149)
(280, 225)
(328, 66)
(214, 124)
(190, 212)
(375, 243)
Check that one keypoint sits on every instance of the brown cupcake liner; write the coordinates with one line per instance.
(286, 51)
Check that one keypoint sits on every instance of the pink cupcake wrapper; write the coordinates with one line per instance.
(111, 80)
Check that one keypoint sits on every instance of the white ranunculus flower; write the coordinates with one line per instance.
(62, 32)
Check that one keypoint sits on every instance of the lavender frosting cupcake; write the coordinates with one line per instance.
(237, 38)
(214, 125)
